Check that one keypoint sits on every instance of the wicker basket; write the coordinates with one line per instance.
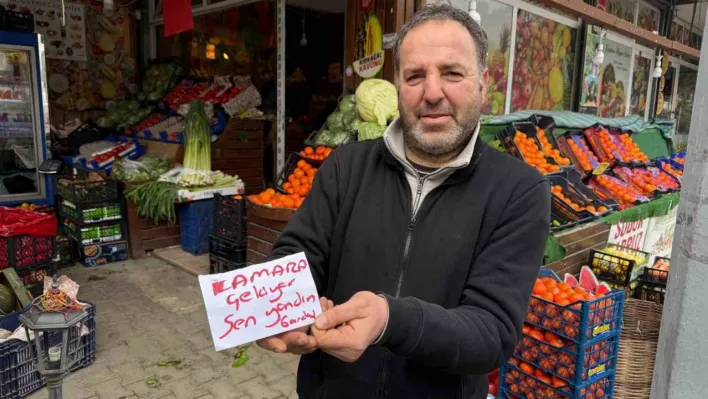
(637, 349)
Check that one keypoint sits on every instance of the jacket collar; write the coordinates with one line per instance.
(394, 152)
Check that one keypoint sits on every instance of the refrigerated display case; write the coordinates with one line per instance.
(24, 116)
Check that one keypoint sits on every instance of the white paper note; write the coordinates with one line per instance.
(258, 301)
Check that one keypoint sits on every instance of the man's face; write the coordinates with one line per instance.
(441, 88)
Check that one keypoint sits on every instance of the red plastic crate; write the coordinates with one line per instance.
(23, 252)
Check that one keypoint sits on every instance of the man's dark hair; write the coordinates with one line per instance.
(443, 12)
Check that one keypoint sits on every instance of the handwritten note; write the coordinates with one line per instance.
(258, 301)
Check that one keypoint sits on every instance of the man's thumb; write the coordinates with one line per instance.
(337, 315)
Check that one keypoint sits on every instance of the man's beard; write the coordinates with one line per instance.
(447, 145)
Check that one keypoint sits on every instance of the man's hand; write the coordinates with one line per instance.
(346, 331)
(296, 341)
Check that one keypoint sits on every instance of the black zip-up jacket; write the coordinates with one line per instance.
(457, 295)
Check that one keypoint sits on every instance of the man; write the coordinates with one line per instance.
(428, 240)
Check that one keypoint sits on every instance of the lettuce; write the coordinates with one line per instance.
(377, 101)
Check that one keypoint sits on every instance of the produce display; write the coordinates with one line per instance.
(370, 131)
(315, 154)
(377, 101)
(655, 176)
(612, 147)
(558, 192)
(158, 80)
(197, 148)
(611, 187)
(147, 167)
(93, 188)
(341, 126)
(550, 149)
(635, 154)
(93, 234)
(295, 189)
(157, 124)
(666, 167)
(584, 159)
(184, 92)
(272, 199)
(618, 266)
(634, 178)
(660, 269)
(155, 200)
(125, 113)
(532, 154)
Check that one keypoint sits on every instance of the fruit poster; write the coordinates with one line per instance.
(369, 47)
(648, 18)
(496, 21)
(660, 235)
(66, 42)
(543, 64)
(640, 85)
(108, 72)
(605, 86)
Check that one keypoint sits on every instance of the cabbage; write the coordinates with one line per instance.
(324, 137)
(348, 119)
(377, 101)
(347, 104)
(370, 131)
(334, 121)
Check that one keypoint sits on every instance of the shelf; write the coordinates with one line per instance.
(16, 132)
(7, 104)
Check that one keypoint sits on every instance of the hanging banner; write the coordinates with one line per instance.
(605, 86)
(67, 42)
(178, 17)
(369, 47)
(660, 235)
(629, 234)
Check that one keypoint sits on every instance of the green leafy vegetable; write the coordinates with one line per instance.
(197, 148)
(155, 200)
(334, 121)
(377, 101)
(347, 104)
(370, 131)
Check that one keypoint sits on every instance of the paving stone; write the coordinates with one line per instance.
(258, 388)
(129, 373)
(185, 388)
(222, 388)
(204, 373)
(143, 391)
(286, 385)
(240, 374)
(272, 372)
(111, 389)
(99, 373)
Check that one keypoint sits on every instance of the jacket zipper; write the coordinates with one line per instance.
(409, 234)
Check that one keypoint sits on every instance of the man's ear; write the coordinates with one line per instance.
(483, 81)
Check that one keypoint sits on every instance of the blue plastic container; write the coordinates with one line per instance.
(18, 374)
(196, 220)
(515, 383)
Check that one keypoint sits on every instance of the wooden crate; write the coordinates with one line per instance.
(240, 151)
(577, 243)
(262, 234)
(146, 235)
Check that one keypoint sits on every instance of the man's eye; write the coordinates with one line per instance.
(414, 78)
(453, 74)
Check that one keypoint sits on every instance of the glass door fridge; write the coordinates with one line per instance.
(24, 120)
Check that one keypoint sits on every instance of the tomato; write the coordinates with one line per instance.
(493, 389)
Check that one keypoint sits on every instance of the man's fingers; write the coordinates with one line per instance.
(337, 315)
(273, 344)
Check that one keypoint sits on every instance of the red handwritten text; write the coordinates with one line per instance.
(237, 299)
(241, 280)
(235, 325)
(278, 311)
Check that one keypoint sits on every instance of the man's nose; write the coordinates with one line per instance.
(433, 90)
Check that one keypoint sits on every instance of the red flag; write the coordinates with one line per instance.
(178, 16)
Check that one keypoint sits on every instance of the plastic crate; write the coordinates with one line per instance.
(288, 168)
(517, 384)
(218, 264)
(565, 210)
(506, 137)
(230, 220)
(228, 249)
(650, 291)
(574, 364)
(35, 274)
(96, 233)
(578, 141)
(17, 369)
(575, 180)
(81, 192)
(196, 220)
(93, 213)
(614, 268)
(24, 252)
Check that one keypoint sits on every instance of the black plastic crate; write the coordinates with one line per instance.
(228, 249)
(16, 21)
(575, 180)
(565, 209)
(91, 213)
(24, 252)
(66, 252)
(83, 191)
(17, 369)
(288, 168)
(506, 137)
(650, 291)
(613, 268)
(218, 264)
(656, 276)
(35, 274)
(578, 140)
(230, 220)
(96, 233)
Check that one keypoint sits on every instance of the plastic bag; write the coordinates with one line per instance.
(149, 167)
(18, 222)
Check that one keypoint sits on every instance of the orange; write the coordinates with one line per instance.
(287, 185)
(308, 151)
(299, 173)
(526, 368)
(302, 191)
(320, 150)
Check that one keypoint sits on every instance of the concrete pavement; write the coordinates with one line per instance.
(148, 312)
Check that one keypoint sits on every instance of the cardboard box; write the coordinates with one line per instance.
(100, 254)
